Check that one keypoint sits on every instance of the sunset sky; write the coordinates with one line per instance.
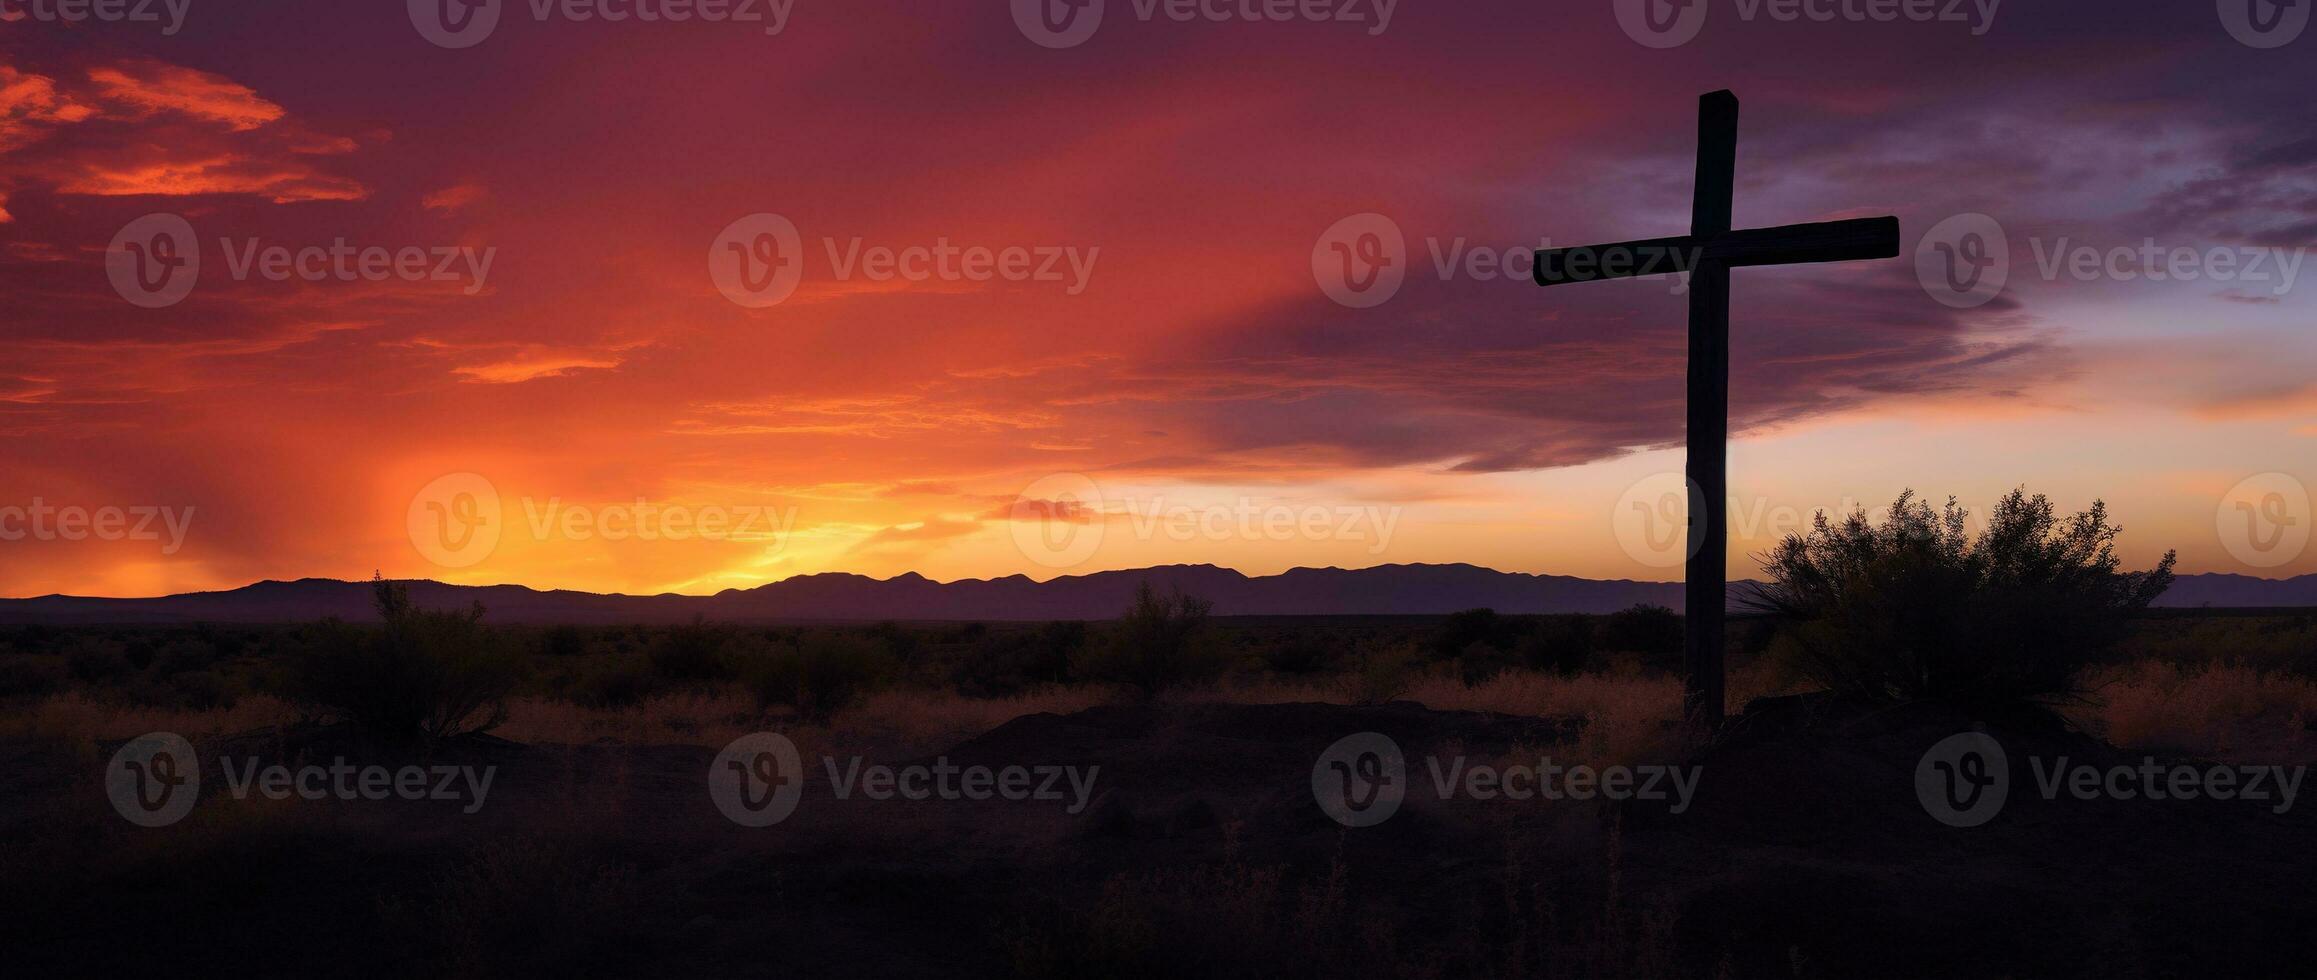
(1192, 362)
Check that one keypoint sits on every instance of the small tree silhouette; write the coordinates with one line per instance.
(1161, 643)
(420, 675)
(1916, 609)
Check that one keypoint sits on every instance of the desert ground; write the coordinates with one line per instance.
(1201, 849)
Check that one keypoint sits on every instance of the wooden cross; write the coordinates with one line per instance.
(1708, 253)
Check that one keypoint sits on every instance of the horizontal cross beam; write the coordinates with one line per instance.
(1825, 241)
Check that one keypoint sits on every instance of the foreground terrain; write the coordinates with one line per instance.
(1201, 848)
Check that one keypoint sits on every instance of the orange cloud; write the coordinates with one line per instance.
(157, 87)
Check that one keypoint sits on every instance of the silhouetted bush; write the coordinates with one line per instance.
(1652, 631)
(1011, 662)
(1163, 642)
(817, 675)
(1561, 644)
(693, 652)
(419, 675)
(1917, 609)
(616, 681)
(1457, 633)
(1304, 651)
(562, 642)
(1385, 672)
(29, 676)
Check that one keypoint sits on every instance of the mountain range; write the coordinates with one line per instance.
(1380, 590)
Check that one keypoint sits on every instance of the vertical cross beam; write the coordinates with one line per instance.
(1707, 465)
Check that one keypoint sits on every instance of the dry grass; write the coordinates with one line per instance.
(886, 724)
(76, 718)
(2225, 712)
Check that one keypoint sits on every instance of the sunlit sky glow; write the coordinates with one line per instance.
(895, 427)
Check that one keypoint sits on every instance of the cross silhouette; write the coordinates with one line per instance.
(1708, 253)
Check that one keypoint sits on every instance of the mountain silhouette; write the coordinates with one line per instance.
(1380, 590)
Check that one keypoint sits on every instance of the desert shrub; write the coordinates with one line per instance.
(1915, 608)
(189, 690)
(29, 676)
(817, 675)
(93, 661)
(418, 675)
(899, 641)
(615, 681)
(1561, 644)
(1460, 631)
(1304, 651)
(1009, 663)
(562, 642)
(1384, 674)
(693, 652)
(1162, 643)
(1652, 631)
